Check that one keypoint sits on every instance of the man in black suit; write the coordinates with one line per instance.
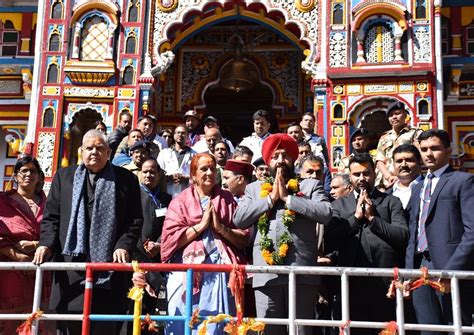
(441, 229)
(368, 229)
(93, 214)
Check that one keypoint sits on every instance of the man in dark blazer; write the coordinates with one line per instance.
(311, 206)
(441, 228)
(93, 214)
(368, 229)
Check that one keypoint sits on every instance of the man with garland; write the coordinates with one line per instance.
(285, 213)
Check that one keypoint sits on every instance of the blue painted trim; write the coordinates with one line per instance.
(20, 9)
(458, 60)
(189, 301)
(16, 61)
(184, 40)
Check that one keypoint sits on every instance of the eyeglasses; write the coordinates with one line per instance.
(24, 172)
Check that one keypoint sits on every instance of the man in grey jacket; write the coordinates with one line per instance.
(284, 214)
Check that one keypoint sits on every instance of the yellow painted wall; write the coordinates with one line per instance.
(14, 17)
(467, 15)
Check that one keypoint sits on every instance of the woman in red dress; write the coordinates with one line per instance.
(21, 211)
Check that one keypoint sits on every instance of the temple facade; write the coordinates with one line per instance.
(343, 61)
(17, 40)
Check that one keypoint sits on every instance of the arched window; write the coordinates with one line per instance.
(9, 39)
(53, 71)
(423, 108)
(94, 39)
(337, 112)
(54, 42)
(338, 13)
(133, 11)
(379, 44)
(57, 10)
(8, 25)
(48, 117)
(128, 73)
(420, 10)
(131, 45)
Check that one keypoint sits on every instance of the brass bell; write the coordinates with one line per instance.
(238, 75)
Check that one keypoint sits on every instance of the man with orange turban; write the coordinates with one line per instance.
(285, 212)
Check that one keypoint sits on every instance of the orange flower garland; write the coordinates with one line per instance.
(270, 254)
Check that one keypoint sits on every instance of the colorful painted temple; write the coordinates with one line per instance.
(344, 61)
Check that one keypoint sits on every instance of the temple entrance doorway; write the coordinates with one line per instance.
(232, 68)
(376, 123)
(82, 121)
(235, 109)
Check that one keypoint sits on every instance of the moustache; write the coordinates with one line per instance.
(282, 165)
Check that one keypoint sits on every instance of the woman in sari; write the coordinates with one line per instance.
(21, 211)
(198, 229)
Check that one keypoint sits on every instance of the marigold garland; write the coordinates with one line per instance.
(232, 326)
(25, 327)
(391, 328)
(270, 254)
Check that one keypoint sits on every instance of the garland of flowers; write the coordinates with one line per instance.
(271, 255)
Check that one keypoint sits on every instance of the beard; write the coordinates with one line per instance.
(286, 170)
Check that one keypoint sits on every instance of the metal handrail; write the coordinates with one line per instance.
(292, 271)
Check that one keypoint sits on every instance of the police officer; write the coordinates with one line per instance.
(401, 133)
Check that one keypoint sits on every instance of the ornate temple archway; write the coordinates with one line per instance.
(193, 78)
(370, 114)
(179, 20)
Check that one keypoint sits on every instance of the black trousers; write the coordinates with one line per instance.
(103, 302)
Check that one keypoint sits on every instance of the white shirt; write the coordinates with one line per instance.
(160, 142)
(404, 193)
(254, 143)
(169, 163)
(437, 174)
(201, 146)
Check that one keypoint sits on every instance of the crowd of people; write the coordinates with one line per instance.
(188, 195)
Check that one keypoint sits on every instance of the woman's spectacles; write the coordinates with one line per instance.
(24, 172)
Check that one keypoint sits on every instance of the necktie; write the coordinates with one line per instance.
(426, 199)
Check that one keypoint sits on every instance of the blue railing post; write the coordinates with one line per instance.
(189, 301)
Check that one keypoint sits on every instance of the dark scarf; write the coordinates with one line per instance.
(103, 223)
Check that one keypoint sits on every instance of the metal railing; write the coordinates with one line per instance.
(291, 271)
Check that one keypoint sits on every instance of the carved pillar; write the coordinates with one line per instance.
(77, 40)
(398, 48)
(319, 88)
(360, 51)
(110, 43)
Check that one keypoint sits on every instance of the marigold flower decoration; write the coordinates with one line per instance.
(270, 254)
(266, 189)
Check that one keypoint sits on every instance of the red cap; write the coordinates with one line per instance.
(239, 167)
(279, 141)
